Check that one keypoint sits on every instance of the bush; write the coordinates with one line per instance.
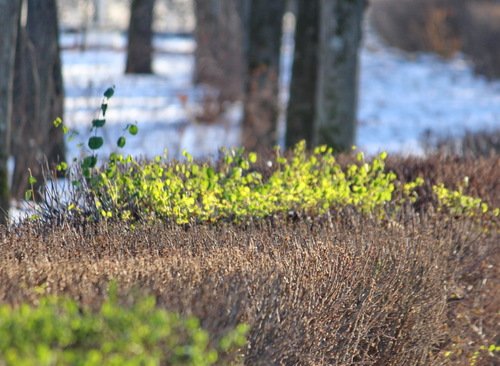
(419, 25)
(480, 37)
(57, 331)
(444, 27)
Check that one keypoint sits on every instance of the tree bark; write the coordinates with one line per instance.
(26, 138)
(261, 110)
(219, 59)
(9, 16)
(140, 38)
(301, 105)
(43, 32)
(337, 86)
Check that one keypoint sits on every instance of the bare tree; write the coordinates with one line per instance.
(9, 16)
(140, 37)
(264, 31)
(39, 96)
(27, 137)
(219, 59)
(302, 103)
(337, 89)
(324, 87)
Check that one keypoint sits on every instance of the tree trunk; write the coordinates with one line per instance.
(336, 102)
(140, 38)
(219, 59)
(27, 141)
(261, 112)
(301, 105)
(9, 16)
(43, 32)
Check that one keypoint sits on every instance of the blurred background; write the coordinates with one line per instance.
(406, 76)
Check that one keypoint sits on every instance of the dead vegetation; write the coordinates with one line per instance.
(341, 289)
(444, 27)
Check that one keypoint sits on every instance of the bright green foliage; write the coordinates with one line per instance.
(460, 204)
(187, 191)
(58, 332)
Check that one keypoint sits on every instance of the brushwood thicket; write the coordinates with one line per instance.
(296, 258)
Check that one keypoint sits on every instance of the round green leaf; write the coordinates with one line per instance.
(89, 162)
(109, 92)
(121, 141)
(95, 142)
(133, 129)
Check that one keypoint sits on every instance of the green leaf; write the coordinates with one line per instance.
(121, 142)
(89, 162)
(62, 166)
(57, 122)
(252, 157)
(109, 92)
(98, 122)
(133, 129)
(31, 180)
(95, 142)
(104, 108)
(28, 194)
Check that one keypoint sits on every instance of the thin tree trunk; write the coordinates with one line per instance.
(43, 32)
(261, 109)
(27, 141)
(9, 16)
(301, 106)
(140, 38)
(337, 89)
(219, 59)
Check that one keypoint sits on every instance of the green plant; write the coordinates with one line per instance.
(188, 191)
(184, 192)
(459, 204)
(57, 331)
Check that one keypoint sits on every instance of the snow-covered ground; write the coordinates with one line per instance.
(401, 97)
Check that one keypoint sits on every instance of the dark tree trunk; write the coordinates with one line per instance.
(261, 109)
(301, 106)
(219, 59)
(337, 89)
(26, 138)
(9, 16)
(43, 32)
(140, 37)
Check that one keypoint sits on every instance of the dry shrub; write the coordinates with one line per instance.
(481, 37)
(444, 27)
(483, 175)
(340, 290)
(471, 145)
(419, 25)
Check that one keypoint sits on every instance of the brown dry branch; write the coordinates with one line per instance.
(341, 290)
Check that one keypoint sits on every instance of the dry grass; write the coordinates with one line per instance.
(342, 289)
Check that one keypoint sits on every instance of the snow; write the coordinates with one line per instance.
(401, 97)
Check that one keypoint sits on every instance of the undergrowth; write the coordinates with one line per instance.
(329, 260)
(124, 188)
(58, 331)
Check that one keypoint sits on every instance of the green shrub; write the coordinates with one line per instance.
(188, 191)
(59, 332)
(124, 188)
